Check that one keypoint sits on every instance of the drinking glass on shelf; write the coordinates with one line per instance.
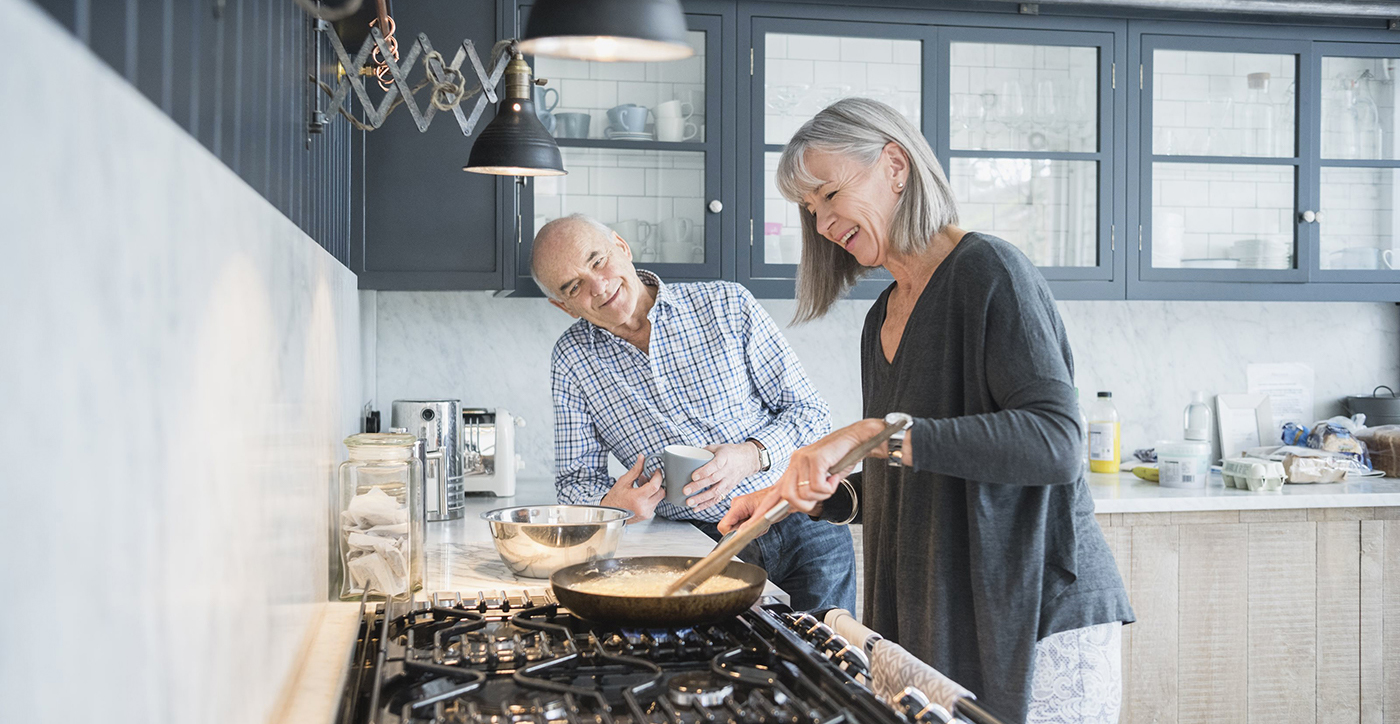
(970, 116)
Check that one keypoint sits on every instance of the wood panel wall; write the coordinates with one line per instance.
(235, 75)
(1261, 616)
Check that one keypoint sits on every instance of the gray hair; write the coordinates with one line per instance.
(570, 224)
(859, 128)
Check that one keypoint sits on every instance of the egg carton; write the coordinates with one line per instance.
(1253, 474)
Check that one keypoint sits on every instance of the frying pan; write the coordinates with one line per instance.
(654, 611)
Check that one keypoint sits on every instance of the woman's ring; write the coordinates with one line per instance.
(804, 482)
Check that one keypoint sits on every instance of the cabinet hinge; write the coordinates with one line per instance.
(1139, 237)
(750, 61)
(1113, 74)
(751, 233)
(1140, 76)
(1112, 237)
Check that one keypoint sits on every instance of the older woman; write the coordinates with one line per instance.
(982, 556)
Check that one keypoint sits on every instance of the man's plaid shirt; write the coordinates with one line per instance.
(719, 371)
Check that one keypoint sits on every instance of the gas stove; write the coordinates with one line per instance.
(523, 659)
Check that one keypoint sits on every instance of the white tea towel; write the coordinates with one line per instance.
(892, 668)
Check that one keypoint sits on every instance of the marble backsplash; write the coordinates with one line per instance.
(180, 363)
(494, 352)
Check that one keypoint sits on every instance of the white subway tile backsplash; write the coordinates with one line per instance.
(775, 45)
(789, 71)
(1223, 193)
(867, 50)
(1183, 193)
(852, 76)
(619, 181)
(681, 182)
(618, 71)
(908, 53)
(808, 47)
(1052, 57)
(1206, 220)
(902, 77)
(577, 180)
(1247, 222)
(1007, 55)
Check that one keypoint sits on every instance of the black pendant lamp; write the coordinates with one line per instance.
(637, 30)
(515, 143)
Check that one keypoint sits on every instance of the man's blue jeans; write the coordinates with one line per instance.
(814, 561)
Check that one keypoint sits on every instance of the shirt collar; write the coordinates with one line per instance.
(667, 301)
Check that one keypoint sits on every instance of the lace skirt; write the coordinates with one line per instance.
(1078, 676)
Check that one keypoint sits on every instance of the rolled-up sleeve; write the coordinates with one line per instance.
(800, 415)
(580, 460)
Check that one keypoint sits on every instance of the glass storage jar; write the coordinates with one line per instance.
(379, 517)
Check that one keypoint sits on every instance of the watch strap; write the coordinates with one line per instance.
(765, 461)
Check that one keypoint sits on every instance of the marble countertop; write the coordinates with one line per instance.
(1127, 493)
(462, 558)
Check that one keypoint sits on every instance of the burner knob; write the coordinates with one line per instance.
(853, 658)
(918, 709)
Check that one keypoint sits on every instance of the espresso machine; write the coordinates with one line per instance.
(438, 426)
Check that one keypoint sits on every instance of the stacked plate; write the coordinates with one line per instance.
(630, 135)
(1263, 254)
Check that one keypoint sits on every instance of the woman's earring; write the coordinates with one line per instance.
(901, 184)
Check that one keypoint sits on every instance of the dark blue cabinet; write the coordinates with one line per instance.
(1263, 163)
(235, 75)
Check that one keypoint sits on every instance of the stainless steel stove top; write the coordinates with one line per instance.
(522, 659)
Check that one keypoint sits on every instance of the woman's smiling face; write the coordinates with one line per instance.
(854, 204)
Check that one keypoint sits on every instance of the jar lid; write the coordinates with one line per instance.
(1182, 448)
(380, 439)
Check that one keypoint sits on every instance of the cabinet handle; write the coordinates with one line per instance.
(716, 206)
(1309, 216)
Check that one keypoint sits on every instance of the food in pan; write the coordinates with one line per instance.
(651, 583)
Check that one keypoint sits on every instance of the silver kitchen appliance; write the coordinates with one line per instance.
(437, 423)
(488, 451)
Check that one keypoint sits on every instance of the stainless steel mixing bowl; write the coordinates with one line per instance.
(537, 540)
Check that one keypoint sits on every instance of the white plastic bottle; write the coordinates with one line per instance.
(1103, 435)
(1197, 419)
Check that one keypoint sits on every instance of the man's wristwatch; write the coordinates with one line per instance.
(764, 461)
(895, 445)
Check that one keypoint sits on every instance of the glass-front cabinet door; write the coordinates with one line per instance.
(1027, 143)
(801, 67)
(641, 144)
(1224, 171)
(1020, 119)
(1359, 168)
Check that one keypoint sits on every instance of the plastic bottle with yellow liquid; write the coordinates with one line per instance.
(1104, 431)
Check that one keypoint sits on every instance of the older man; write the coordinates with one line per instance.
(651, 364)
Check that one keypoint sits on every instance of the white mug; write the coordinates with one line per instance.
(674, 109)
(673, 130)
(679, 251)
(1361, 257)
(676, 231)
(635, 233)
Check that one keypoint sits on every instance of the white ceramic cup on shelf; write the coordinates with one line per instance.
(1360, 257)
(673, 130)
(674, 109)
(637, 234)
(675, 246)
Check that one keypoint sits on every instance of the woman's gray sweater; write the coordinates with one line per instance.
(989, 543)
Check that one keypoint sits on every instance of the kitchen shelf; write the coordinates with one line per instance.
(631, 145)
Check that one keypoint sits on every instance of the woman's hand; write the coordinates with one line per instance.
(746, 506)
(805, 483)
